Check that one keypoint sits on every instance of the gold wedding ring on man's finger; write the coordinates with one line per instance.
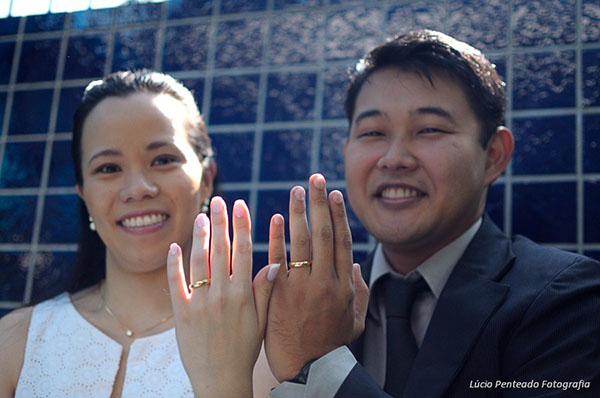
(199, 283)
(300, 264)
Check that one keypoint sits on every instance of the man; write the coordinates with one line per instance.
(487, 315)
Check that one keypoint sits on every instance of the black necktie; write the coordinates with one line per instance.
(401, 344)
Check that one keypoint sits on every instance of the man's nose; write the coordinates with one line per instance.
(399, 155)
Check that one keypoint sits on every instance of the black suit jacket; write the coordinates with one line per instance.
(511, 310)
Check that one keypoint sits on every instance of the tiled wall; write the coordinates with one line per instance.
(269, 78)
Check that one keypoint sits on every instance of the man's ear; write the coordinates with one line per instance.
(499, 151)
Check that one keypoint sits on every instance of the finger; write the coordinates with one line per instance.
(321, 228)
(178, 291)
(241, 262)
(220, 245)
(263, 286)
(299, 236)
(342, 235)
(199, 269)
(277, 254)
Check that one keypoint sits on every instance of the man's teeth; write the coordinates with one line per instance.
(399, 193)
(145, 221)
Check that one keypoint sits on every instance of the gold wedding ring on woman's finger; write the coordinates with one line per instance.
(300, 264)
(199, 283)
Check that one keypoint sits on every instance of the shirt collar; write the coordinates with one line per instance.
(435, 270)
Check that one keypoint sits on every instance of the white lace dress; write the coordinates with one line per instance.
(66, 356)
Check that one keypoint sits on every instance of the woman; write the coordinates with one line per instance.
(143, 170)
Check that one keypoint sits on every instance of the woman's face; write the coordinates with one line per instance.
(143, 184)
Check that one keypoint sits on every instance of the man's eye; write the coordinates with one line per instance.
(163, 160)
(107, 169)
(430, 130)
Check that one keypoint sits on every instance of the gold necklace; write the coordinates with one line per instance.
(128, 331)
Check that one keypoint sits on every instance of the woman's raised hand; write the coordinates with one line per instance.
(220, 317)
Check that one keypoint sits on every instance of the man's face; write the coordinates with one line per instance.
(415, 168)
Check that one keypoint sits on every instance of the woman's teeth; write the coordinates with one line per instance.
(144, 221)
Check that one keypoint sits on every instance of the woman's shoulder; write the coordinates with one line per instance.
(13, 337)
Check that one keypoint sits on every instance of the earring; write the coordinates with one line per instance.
(205, 206)
(92, 224)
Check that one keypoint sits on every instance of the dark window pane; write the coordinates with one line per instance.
(134, 49)
(86, 57)
(13, 276)
(187, 48)
(239, 43)
(480, 23)
(92, 18)
(234, 156)
(61, 219)
(44, 23)
(69, 101)
(61, 165)
(290, 96)
(591, 143)
(16, 222)
(234, 99)
(22, 164)
(591, 215)
(286, 155)
(34, 54)
(188, 8)
(7, 51)
(591, 77)
(30, 112)
(537, 23)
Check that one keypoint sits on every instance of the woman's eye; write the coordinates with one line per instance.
(372, 133)
(163, 160)
(107, 169)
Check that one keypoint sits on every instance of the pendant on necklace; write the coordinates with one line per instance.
(128, 332)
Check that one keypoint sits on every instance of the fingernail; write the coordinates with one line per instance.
(337, 197)
(201, 220)
(299, 193)
(273, 269)
(238, 208)
(278, 219)
(319, 181)
(173, 249)
(216, 206)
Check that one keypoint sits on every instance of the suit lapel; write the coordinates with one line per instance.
(471, 296)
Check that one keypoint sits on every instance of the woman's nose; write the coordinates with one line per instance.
(138, 186)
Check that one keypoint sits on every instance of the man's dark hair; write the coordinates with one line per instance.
(424, 52)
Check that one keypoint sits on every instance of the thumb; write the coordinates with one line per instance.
(361, 299)
(263, 286)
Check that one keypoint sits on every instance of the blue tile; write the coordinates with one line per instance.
(545, 212)
(35, 53)
(22, 120)
(591, 77)
(544, 145)
(590, 21)
(53, 271)
(285, 155)
(61, 219)
(591, 143)
(92, 18)
(591, 214)
(7, 51)
(232, 6)
(22, 164)
(61, 165)
(70, 98)
(481, 23)
(500, 63)
(234, 99)
(296, 37)
(86, 57)
(2, 105)
(429, 14)
(290, 97)
(332, 152)
(188, 8)
(138, 13)
(239, 43)
(544, 80)
(353, 32)
(494, 205)
(9, 26)
(269, 203)
(361, 257)
(282, 4)
(187, 47)
(134, 49)
(259, 260)
(546, 23)
(336, 80)
(44, 23)
(234, 156)
(13, 276)
(196, 86)
(16, 218)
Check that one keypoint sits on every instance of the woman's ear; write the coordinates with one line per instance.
(208, 178)
(499, 151)
(79, 190)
